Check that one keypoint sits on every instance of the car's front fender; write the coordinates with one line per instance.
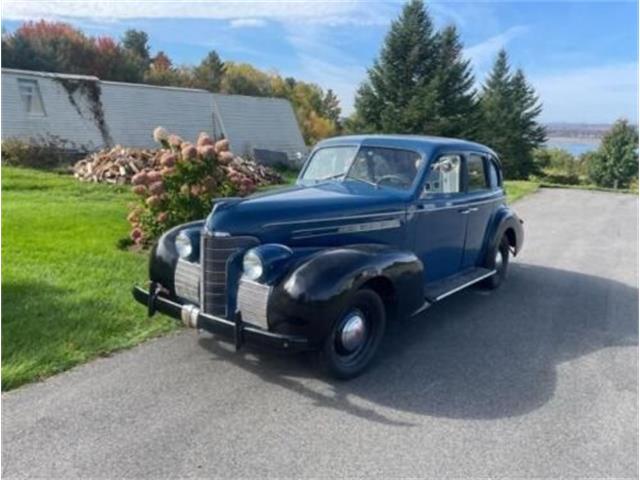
(164, 257)
(314, 292)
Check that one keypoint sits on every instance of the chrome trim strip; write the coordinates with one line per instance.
(468, 284)
(430, 207)
(334, 219)
(346, 229)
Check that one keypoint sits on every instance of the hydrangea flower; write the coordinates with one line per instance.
(175, 141)
(160, 135)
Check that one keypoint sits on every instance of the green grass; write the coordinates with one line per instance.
(588, 186)
(516, 189)
(66, 287)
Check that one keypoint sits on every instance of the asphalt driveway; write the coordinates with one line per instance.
(539, 378)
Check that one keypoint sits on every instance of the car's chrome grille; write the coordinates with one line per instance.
(217, 253)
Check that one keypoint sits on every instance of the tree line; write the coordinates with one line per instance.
(421, 83)
(60, 47)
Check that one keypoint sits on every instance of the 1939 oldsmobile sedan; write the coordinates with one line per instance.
(376, 227)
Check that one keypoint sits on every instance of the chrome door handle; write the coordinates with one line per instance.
(467, 211)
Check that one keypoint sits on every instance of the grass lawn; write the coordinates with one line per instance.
(66, 287)
(516, 189)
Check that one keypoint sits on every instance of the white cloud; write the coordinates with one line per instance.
(591, 95)
(327, 12)
(247, 22)
(483, 54)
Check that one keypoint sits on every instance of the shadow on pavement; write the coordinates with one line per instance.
(477, 354)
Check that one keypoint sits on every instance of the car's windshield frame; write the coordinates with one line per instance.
(341, 177)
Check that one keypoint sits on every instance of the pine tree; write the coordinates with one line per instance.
(509, 108)
(208, 75)
(615, 164)
(331, 106)
(530, 134)
(396, 96)
(456, 107)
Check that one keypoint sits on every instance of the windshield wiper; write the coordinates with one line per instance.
(330, 177)
(363, 181)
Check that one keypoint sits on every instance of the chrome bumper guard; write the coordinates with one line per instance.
(237, 330)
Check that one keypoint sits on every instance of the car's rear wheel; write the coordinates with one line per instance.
(355, 336)
(499, 261)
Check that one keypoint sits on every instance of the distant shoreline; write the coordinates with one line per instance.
(584, 140)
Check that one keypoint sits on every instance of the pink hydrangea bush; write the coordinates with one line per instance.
(189, 178)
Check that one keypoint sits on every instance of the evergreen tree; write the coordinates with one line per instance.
(456, 109)
(529, 134)
(509, 108)
(209, 73)
(331, 106)
(615, 164)
(136, 42)
(397, 95)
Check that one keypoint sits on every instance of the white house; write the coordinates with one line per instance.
(87, 113)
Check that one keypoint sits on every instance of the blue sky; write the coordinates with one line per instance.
(581, 56)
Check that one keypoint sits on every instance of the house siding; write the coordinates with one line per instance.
(61, 118)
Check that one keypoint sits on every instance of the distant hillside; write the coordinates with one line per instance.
(577, 130)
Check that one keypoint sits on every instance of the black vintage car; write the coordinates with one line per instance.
(376, 227)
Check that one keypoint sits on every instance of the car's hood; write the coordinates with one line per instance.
(260, 214)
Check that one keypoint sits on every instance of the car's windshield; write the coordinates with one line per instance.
(376, 165)
(330, 162)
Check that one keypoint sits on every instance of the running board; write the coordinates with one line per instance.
(436, 291)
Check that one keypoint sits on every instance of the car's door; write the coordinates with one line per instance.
(483, 195)
(439, 224)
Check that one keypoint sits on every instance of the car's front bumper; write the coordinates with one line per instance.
(236, 330)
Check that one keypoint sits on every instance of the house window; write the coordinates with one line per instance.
(31, 98)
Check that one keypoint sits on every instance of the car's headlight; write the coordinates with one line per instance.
(184, 246)
(252, 265)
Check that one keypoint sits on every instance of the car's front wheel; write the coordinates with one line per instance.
(499, 261)
(355, 336)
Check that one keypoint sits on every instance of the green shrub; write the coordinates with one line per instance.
(43, 152)
(560, 177)
(192, 176)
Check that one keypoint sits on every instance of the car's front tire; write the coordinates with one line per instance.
(354, 337)
(499, 261)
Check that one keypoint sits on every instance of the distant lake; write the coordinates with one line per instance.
(575, 146)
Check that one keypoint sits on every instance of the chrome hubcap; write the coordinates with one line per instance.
(353, 332)
(498, 260)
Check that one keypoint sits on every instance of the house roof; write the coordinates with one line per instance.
(259, 122)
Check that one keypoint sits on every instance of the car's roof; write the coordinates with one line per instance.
(424, 143)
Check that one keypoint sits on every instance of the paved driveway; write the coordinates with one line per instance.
(539, 378)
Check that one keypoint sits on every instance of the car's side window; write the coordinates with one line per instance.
(476, 177)
(494, 176)
(444, 176)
